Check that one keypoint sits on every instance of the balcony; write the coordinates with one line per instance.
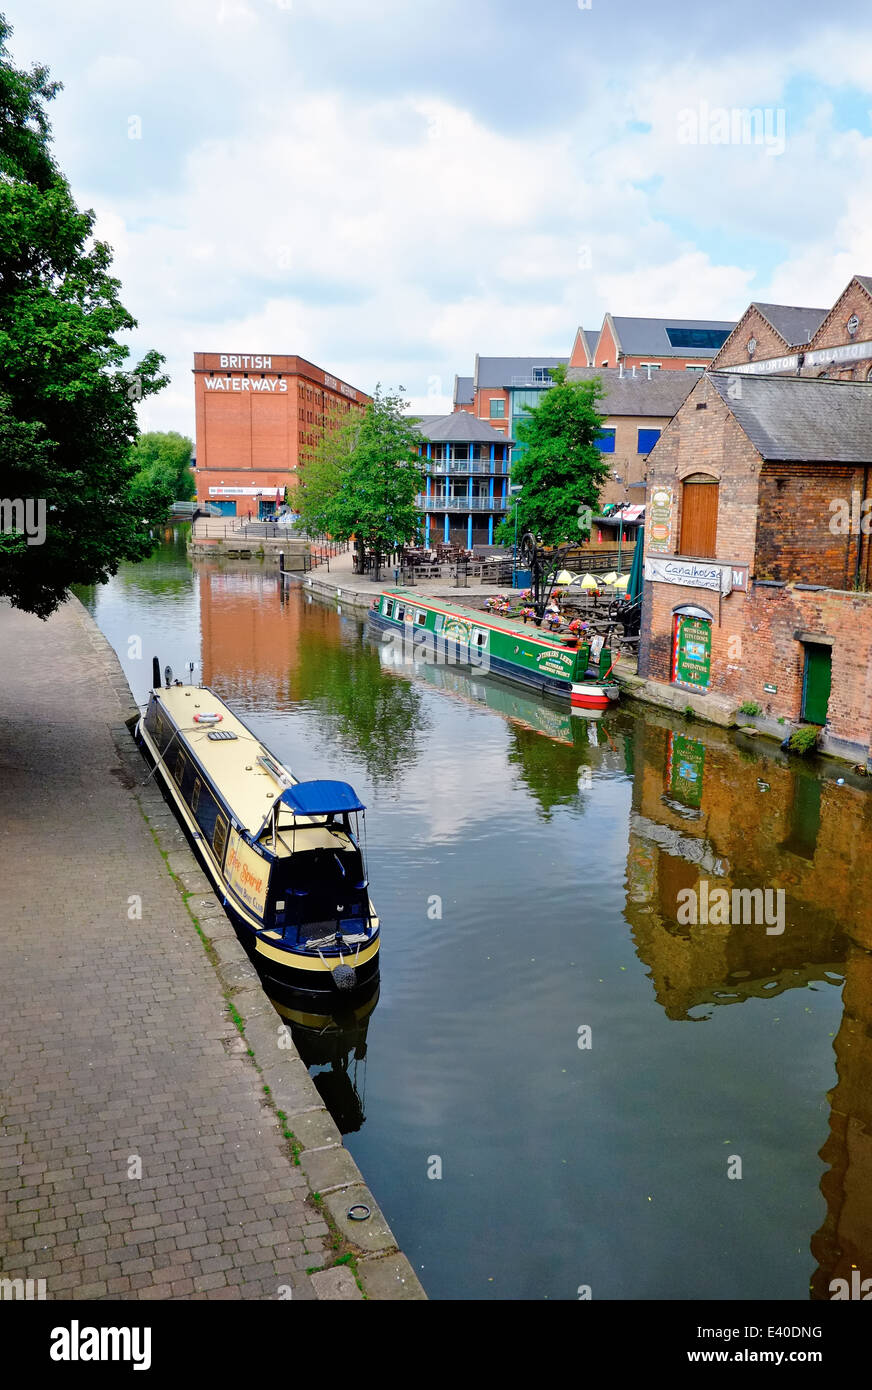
(460, 504)
(439, 467)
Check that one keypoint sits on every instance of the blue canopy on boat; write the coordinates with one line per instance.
(321, 798)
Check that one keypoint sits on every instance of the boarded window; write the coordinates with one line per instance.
(699, 516)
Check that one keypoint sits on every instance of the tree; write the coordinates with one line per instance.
(561, 469)
(165, 459)
(364, 478)
(67, 392)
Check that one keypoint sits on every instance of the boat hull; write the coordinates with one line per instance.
(497, 665)
(590, 696)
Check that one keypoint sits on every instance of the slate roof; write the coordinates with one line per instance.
(464, 390)
(636, 395)
(795, 325)
(461, 427)
(801, 419)
(496, 372)
(637, 336)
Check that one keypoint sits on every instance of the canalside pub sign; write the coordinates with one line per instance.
(696, 574)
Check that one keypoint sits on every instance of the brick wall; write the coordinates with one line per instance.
(752, 324)
(794, 540)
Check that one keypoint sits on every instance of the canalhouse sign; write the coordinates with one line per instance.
(696, 574)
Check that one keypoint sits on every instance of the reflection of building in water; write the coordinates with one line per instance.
(700, 812)
(251, 640)
(333, 1047)
(844, 1242)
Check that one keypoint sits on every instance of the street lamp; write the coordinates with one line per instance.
(618, 479)
(515, 491)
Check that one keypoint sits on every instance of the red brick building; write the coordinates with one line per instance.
(782, 340)
(258, 417)
(651, 345)
(758, 567)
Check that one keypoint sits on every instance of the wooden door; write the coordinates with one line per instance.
(699, 517)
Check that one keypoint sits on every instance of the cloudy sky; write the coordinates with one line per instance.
(387, 187)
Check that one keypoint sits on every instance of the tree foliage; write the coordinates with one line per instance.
(165, 459)
(67, 392)
(364, 477)
(561, 469)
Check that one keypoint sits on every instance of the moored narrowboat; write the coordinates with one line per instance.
(284, 854)
(499, 646)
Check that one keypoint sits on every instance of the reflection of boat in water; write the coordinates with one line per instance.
(333, 1047)
(283, 854)
(543, 716)
(521, 652)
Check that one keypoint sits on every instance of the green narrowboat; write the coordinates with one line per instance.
(491, 644)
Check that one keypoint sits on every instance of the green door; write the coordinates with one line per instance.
(816, 682)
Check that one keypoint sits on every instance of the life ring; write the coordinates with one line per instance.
(208, 718)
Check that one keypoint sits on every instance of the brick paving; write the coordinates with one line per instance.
(114, 1035)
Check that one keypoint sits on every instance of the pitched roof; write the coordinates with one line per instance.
(656, 337)
(802, 419)
(636, 395)
(494, 372)
(460, 426)
(464, 391)
(794, 325)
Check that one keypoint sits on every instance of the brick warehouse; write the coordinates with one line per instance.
(258, 417)
(758, 553)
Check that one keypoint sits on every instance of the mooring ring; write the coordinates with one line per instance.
(359, 1207)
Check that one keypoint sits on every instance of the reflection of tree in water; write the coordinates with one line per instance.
(167, 572)
(552, 770)
(371, 712)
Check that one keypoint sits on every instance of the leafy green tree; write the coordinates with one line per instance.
(165, 458)
(561, 470)
(67, 392)
(365, 477)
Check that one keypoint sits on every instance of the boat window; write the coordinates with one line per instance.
(195, 795)
(179, 770)
(401, 613)
(438, 621)
(420, 617)
(479, 637)
(389, 608)
(219, 839)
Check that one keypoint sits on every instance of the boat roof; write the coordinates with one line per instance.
(322, 798)
(481, 617)
(230, 764)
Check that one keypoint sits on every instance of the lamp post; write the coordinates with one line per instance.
(516, 490)
(618, 479)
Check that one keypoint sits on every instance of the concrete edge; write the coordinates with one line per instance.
(384, 1271)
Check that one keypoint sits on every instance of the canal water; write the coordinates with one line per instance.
(566, 1083)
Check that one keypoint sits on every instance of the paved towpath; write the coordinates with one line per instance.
(139, 1157)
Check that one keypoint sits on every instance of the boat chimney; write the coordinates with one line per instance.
(155, 673)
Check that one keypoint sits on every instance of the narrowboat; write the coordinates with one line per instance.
(499, 646)
(284, 854)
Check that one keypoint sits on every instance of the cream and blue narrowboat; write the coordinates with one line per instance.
(284, 854)
(498, 646)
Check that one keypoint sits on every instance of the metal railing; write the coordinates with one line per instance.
(461, 504)
(480, 467)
